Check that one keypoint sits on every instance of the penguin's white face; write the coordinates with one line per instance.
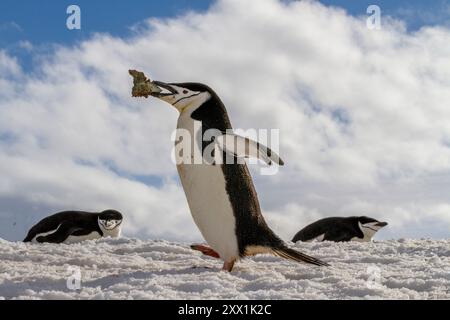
(109, 220)
(180, 97)
(109, 224)
(370, 228)
(110, 227)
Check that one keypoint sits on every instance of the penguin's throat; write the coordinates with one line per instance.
(110, 232)
(368, 232)
(192, 105)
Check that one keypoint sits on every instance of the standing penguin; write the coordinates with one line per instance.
(221, 197)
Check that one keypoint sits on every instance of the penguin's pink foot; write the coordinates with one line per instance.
(205, 250)
(228, 266)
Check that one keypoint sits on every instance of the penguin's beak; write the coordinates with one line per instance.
(166, 90)
(381, 224)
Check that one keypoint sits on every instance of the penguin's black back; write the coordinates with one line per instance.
(333, 228)
(251, 228)
(82, 222)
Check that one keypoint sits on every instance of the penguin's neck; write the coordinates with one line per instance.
(185, 120)
(192, 106)
(113, 233)
(367, 234)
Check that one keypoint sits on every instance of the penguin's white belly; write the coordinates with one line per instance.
(91, 236)
(365, 239)
(205, 189)
(318, 238)
(204, 186)
(114, 233)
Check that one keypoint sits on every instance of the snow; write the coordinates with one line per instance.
(136, 269)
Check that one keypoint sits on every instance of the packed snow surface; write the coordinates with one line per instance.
(135, 269)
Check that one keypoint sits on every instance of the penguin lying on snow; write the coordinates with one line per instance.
(221, 197)
(74, 226)
(340, 229)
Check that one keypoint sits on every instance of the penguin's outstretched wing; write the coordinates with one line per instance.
(243, 147)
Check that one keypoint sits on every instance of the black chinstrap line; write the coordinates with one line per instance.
(114, 226)
(370, 228)
(186, 98)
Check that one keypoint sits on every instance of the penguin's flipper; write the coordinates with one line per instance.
(292, 254)
(41, 227)
(60, 235)
(239, 146)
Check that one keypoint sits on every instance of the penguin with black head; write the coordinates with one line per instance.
(221, 197)
(340, 229)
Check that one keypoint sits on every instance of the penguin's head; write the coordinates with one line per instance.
(183, 95)
(369, 226)
(110, 219)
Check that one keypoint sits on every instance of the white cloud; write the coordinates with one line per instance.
(8, 65)
(363, 118)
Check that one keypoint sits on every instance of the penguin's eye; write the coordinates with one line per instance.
(185, 91)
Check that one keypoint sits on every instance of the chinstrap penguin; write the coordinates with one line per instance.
(74, 226)
(340, 229)
(221, 197)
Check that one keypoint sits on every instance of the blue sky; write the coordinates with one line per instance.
(416, 13)
(42, 22)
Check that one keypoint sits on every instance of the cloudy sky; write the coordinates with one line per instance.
(363, 114)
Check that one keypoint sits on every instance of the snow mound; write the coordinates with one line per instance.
(135, 269)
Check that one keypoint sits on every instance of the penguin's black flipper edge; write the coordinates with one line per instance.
(243, 147)
(294, 255)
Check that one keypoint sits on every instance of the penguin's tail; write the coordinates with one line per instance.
(291, 254)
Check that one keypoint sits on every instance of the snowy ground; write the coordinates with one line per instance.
(135, 269)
